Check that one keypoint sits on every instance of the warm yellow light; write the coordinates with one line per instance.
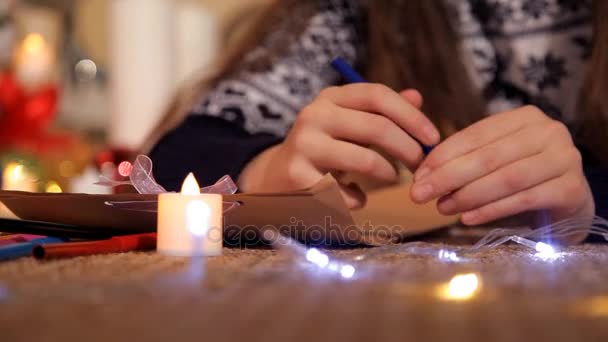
(190, 186)
(461, 287)
(33, 43)
(594, 307)
(53, 187)
(15, 172)
(16, 177)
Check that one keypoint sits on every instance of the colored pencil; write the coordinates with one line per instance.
(23, 249)
(118, 244)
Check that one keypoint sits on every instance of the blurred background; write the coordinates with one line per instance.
(83, 82)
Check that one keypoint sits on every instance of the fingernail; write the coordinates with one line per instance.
(447, 206)
(431, 133)
(422, 192)
(421, 173)
(469, 217)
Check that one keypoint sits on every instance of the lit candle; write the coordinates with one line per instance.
(190, 223)
(16, 178)
(34, 61)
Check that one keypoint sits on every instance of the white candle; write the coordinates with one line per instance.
(16, 178)
(190, 223)
(142, 59)
(34, 62)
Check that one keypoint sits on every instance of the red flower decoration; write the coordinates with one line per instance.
(25, 116)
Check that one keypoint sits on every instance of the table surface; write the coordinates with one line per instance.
(263, 295)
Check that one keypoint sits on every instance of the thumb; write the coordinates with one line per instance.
(412, 96)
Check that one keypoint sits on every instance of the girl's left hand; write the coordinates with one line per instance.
(506, 164)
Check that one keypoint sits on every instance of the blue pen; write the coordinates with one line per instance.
(19, 250)
(352, 76)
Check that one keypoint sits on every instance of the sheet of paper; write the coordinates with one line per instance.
(390, 216)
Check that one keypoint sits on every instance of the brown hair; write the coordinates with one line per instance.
(429, 65)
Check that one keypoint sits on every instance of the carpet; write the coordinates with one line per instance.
(264, 295)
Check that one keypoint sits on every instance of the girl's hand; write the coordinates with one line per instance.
(503, 165)
(333, 133)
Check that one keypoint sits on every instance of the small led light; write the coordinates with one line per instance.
(198, 214)
(347, 271)
(544, 248)
(448, 255)
(333, 267)
(316, 257)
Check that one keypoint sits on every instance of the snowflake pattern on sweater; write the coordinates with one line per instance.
(527, 51)
(517, 52)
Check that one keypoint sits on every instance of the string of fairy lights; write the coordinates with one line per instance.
(537, 241)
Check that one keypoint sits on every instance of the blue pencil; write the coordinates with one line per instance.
(347, 71)
(352, 76)
(19, 250)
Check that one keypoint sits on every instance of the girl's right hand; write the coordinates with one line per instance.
(333, 133)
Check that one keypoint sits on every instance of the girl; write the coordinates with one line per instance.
(277, 118)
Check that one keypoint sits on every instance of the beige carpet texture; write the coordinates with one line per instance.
(264, 295)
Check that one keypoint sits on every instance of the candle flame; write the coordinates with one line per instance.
(190, 186)
(33, 43)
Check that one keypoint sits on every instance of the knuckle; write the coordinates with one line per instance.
(377, 94)
(380, 128)
(533, 111)
(327, 92)
(513, 180)
(431, 161)
(294, 174)
(576, 157)
(573, 191)
(368, 162)
(301, 141)
(489, 161)
(462, 200)
(529, 199)
(309, 114)
(557, 129)
(486, 213)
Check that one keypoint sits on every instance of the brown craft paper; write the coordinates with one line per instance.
(317, 215)
(390, 216)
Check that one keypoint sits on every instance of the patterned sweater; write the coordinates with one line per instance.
(517, 52)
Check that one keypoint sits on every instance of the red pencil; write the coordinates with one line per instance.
(118, 244)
